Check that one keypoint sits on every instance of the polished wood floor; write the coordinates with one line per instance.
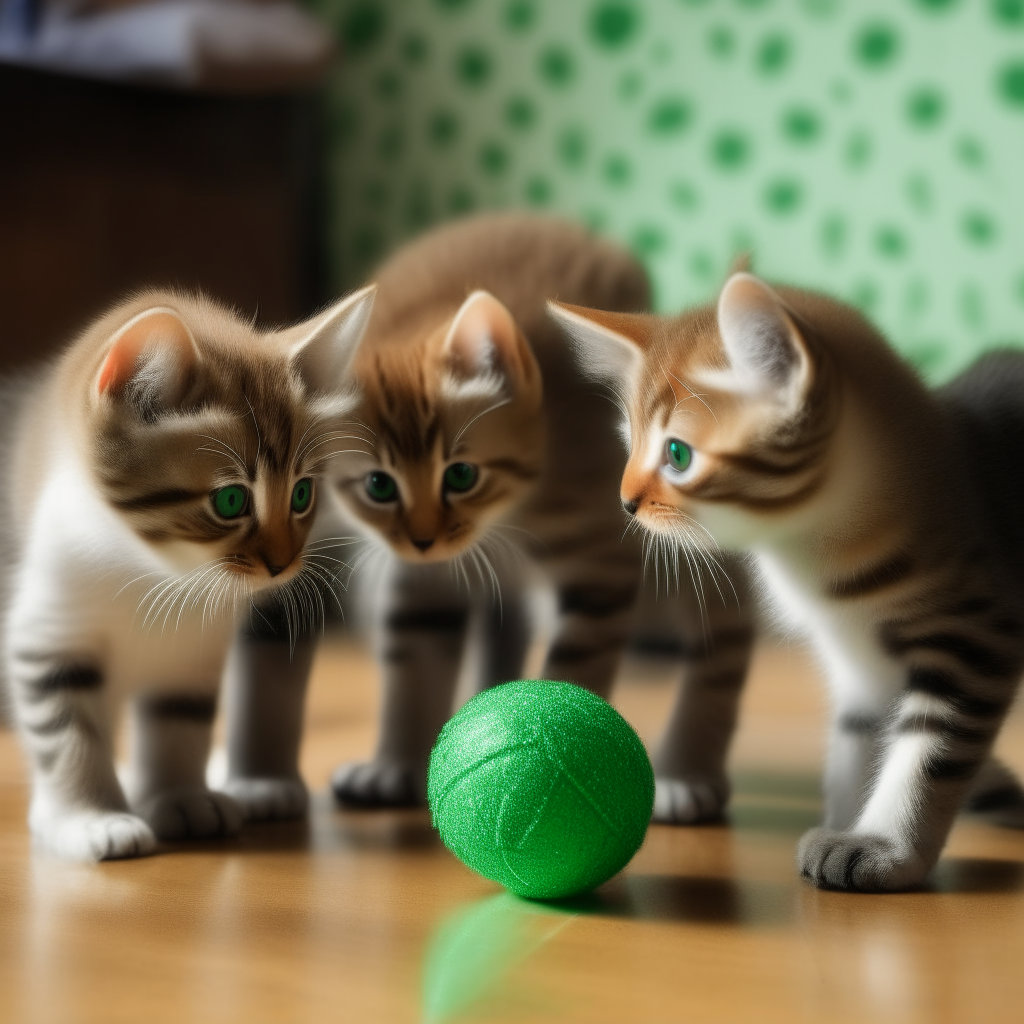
(365, 917)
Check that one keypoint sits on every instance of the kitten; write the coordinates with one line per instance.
(487, 457)
(885, 518)
(163, 471)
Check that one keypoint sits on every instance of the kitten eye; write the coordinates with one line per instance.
(230, 502)
(302, 494)
(460, 476)
(679, 453)
(381, 487)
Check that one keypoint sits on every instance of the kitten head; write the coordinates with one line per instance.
(728, 426)
(209, 437)
(450, 409)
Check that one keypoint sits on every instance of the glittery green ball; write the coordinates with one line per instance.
(541, 786)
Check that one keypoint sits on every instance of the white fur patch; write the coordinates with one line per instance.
(897, 793)
(485, 386)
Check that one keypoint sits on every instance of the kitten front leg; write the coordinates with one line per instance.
(505, 631)
(170, 747)
(596, 594)
(266, 693)
(691, 784)
(78, 809)
(938, 735)
(853, 745)
(421, 638)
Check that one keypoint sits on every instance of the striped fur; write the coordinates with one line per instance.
(121, 578)
(886, 521)
(461, 363)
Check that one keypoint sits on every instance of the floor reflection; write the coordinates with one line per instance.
(470, 953)
(472, 950)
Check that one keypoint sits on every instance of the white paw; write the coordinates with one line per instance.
(95, 835)
(688, 801)
(855, 862)
(269, 799)
(379, 784)
(192, 814)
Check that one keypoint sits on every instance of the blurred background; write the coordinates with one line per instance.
(273, 154)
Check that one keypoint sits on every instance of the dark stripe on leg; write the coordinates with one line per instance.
(940, 768)
(571, 653)
(872, 579)
(439, 620)
(937, 683)
(720, 679)
(184, 706)
(56, 723)
(595, 602)
(941, 727)
(977, 657)
(62, 680)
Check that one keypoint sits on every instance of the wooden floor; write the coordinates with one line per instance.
(365, 917)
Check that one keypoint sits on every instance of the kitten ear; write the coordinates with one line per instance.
(485, 349)
(608, 346)
(764, 346)
(148, 360)
(325, 349)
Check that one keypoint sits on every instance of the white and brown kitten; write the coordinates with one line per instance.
(886, 520)
(484, 450)
(162, 472)
(482, 463)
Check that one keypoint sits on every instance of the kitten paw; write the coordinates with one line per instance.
(379, 784)
(96, 835)
(854, 862)
(688, 801)
(192, 814)
(269, 799)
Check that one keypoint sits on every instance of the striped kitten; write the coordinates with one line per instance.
(886, 519)
(161, 472)
(484, 451)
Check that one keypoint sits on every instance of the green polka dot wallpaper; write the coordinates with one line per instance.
(871, 148)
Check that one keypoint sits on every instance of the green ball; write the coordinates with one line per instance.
(541, 786)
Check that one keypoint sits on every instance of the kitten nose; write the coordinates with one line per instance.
(631, 506)
(423, 545)
(274, 570)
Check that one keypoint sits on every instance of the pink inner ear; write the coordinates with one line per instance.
(156, 327)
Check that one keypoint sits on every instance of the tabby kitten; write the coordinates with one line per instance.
(782, 423)
(163, 471)
(485, 457)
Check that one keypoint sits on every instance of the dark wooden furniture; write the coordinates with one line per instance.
(105, 188)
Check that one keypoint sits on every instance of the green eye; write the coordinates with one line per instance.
(381, 487)
(680, 454)
(460, 476)
(230, 502)
(302, 493)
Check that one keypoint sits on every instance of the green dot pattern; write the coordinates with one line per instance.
(870, 148)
